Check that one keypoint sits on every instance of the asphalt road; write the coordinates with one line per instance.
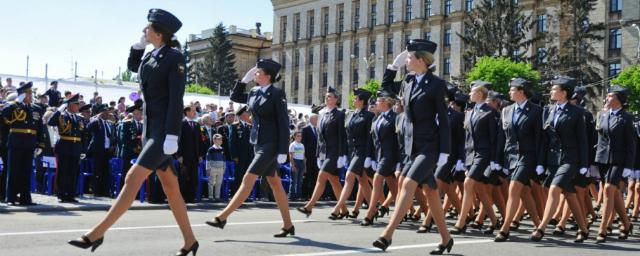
(249, 232)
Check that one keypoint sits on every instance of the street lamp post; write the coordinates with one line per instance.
(638, 46)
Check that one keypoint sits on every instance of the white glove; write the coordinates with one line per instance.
(21, 97)
(170, 146)
(248, 77)
(374, 165)
(367, 162)
(282, 158)
(38, 151)
(459, 166)
(341, 161)
(626, 172)
(62, 107)
(442, 159)
(141, 45)
(637, 174)
(493, 166)
(539, 169)
(319, 163)
(505, 171)
(83, 156)
(583, 170)
(399, 61)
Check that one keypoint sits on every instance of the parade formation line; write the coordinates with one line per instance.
(391, 248)
(47, 232)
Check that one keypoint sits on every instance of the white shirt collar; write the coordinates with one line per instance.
(156, 50)
(614, 111)
(561, 106)
(478, 106)
(264, 88)
(521, 106)
(419, 77)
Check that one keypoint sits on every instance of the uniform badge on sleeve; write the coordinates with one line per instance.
(181, 69)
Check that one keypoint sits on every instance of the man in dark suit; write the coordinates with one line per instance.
(240, 147)
(99, 146)
(188, 149)
(53, 94)
(68, 148)
(310, 142)
(522, 125)
(225, 131)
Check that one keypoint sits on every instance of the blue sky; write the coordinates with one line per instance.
(98, 33)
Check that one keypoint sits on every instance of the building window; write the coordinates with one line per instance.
(468, 5)
(324, 79)
(447, 37)
(355, 76)
(390, 11)
(341, 21)
(296, 83)
(372, 73)
(340, 77)
(615, 38)
(310, 56)
(447, 7)
(356, 49)
(390, 45)
(406, 37)
(427, 9)
(325, 54)
(541, 55)
(283, 59)
(309, 81)
(447, 66)
(372, 46)
(427, 35)
(311, 25)
(283, 21)
(340, 52)
(614, 69)
(325, 26)
(542, 23)
(297, 26)
(373, 15)
(408, 12)
(296, 58)
(615, 6)
(356, 16)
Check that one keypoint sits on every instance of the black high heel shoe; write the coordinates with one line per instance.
(338, 216)
(84, 243)
(580, 237)
(382, 243)
(514, 225)
(218, 223)
(185, 252)
(456, 230)
(366, 222)
(559, 231)
(441, 248)
(624, 234)
(425, 228)
(534, 236)
(354, 214)
(490, 230)
(602, 238)
(286, 232)
(304, 211)
(383, 210)
(501, 237)
(477, 225)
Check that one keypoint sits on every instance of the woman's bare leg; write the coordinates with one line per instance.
(281, 199)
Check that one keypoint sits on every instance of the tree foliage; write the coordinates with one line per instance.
(500, 70)
(630, 78)
(372, 86)
(218, 65)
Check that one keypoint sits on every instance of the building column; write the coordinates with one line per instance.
(365, 9)
(363, 54)
(302, 75)
(346, 66)
(436, 36)
(379, 56)
(456, 50)
(331, 67)
(317, 75)
(288, 73)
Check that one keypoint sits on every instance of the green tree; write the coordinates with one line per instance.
(372, 86)
(630, 78)
(500, 70)
(218, 65)
(126, 76)
(497, 28)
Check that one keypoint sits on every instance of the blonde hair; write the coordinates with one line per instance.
(426, 56)
(482, 89)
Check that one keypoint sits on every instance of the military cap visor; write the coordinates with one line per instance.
(25, 88)
(241, 110)
(385, 94)
(74, 99)
(86, 107)
(270, 66)
(421, 45)
(134, 108)
(485, 84)
(362, 94)
(520, 82)
(620, 91)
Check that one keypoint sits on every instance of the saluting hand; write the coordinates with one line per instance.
(248, 77)
(140, 45)
(62, 107)
(399, 61)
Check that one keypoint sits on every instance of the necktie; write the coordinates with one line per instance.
(519, 114)
(557, 115)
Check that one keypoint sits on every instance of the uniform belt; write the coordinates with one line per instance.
(71, 138)
(26, 131)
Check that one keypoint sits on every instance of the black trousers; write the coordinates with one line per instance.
(19, 175)
(188, 178)
(310, 177)
(3, 175)
(238, 173)
(101, 173)
(67, 175)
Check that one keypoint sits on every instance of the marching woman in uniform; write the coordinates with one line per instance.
(360, 147)
(481, 136)
(616, 151)
(331, 152)
(270, 137)
(162, 80)
(386, 153)
(427, 140)
(565, 145)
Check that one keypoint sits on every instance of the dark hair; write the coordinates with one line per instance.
(186, 109)
(275, 76)
(527, 91)
(167, 37)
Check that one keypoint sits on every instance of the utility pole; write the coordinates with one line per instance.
(75, 72)
(46, 76)
(27, 75)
